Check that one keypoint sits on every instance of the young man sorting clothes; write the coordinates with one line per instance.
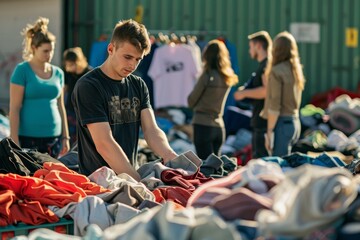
(110, 105)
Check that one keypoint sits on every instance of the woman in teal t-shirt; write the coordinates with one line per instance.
(37, 112)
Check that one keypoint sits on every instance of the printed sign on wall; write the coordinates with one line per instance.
(352, 37)
(306, 32)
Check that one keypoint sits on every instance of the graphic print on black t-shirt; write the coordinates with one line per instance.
(124, 110)
(174, 66)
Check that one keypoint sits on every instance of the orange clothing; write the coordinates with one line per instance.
(24, 198)
(61, 176)
(13, 210)
(38, 189)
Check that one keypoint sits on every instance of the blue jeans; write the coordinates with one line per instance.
(287, 132)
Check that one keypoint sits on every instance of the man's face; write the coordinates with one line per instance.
(253, 50)
(70, 66)
(124, 58)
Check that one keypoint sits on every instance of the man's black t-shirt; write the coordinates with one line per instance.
(258, 104)
(98, 98)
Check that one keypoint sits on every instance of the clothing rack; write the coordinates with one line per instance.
(186, 32)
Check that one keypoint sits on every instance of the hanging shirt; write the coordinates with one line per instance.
(196, 52)
(173, 71)
(142, 71)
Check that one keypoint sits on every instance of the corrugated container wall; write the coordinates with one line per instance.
(327, 30)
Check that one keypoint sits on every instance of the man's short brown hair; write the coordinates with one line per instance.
(262, 37)
(132, 32)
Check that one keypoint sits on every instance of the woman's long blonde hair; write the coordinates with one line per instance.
(35, 35)
(286, 49)
(216, 56)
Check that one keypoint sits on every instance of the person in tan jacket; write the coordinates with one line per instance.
(284, 90)
(208, 97)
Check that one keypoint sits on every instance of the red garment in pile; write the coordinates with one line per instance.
(13, 210)
(24, 199)
(61, 176)
(190, 182)
(175, 194)
(181, 187)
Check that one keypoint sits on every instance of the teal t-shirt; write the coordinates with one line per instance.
(39, 115)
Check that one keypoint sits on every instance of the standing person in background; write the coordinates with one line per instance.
(37, 112)
(285, 86)
(111, 103)
(260, 45)
(75, 66)
(208, 99)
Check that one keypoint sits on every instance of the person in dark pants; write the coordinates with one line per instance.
(254, 90)
(75, 66)
(37, 111)
(208, 97)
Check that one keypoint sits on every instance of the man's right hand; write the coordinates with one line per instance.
(110, 150)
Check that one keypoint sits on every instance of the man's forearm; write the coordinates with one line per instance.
(158, 142)
(117, 160)
(256, 93)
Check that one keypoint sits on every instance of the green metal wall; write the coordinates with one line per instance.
(327, 64)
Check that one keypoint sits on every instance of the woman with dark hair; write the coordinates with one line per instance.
(75, 66)
(283, 99)
(208, 99)
(37, 112)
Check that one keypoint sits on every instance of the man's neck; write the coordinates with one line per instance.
(108, 71)
(261, 56)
